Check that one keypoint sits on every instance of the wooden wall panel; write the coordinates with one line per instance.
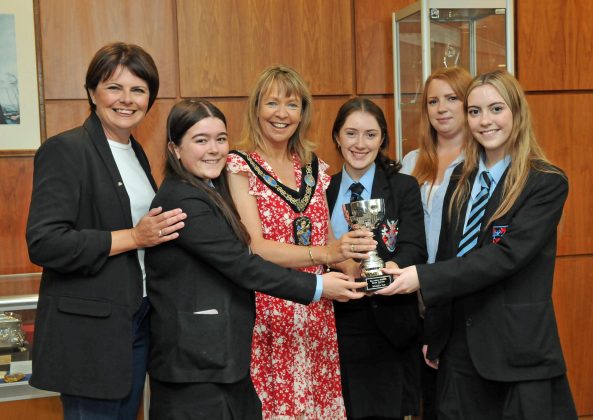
(152, 135)
(325, 110)
(563, 126)
(36, 409)
(234, 110)
(64, 115)
(555, 44)
(49, 408)
(15, 196)
(572, 301)
(72, 31)
(374, 49)
(19, 284)
(224, 45)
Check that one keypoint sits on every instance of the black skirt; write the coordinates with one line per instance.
(378, 380)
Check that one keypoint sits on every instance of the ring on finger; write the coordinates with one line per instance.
(351, 247)
(160, 233)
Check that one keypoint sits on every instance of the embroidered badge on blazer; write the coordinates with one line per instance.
(389, 232)
(498, 232)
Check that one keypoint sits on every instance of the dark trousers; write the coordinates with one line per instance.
(429, 392)
(204, 401)
(83, 408)
(463, 394)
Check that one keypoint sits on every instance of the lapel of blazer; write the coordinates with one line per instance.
(333, 190)
(380, 187)
(457, 217)
(93, 127)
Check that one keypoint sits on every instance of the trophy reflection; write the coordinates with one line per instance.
(368, 214)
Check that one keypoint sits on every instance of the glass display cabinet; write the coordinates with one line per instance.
(18, 309)
(429, 34)
(17, 318)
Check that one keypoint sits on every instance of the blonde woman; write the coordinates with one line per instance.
(279, 187)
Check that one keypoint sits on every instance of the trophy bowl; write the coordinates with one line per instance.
(368, 214)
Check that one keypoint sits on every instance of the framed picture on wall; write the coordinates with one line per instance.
(20, 120)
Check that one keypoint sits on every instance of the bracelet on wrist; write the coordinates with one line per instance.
(311, 256)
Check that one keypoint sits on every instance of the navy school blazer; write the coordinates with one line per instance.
(201, 290)
(504, 285)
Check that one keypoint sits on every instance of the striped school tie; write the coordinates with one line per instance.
(469, 240)
(355, 191)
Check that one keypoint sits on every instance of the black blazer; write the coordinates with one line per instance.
(86, 298)
(396, 316)
(208, 270)
(504, 288)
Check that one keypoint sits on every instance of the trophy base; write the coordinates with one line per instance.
(377, 282)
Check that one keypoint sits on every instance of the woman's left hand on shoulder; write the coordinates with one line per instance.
(157, 227)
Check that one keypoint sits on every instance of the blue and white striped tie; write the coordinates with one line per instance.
(469, 240)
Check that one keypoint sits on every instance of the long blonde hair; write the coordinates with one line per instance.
(522, 146)
(427, 164)
(288, 82)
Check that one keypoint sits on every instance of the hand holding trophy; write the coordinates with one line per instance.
(368, 214)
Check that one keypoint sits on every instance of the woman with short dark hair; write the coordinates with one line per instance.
(89, 222)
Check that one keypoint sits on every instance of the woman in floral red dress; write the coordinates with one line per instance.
(279, 187)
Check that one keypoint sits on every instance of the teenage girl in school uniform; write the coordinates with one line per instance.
(497, 346)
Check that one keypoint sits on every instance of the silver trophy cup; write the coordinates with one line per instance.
(368, 214)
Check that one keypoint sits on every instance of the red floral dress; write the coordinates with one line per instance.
(294, 361)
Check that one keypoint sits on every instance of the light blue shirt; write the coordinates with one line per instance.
(318, 288)
(496, 172)
(433, 213)
(338, 222)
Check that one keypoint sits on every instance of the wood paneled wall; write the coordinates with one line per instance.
(224, 45)
(554, 49)
(555, 44)
(72, 31)
(341, 47)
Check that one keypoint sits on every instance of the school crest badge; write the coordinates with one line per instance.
(497, 233)
(389, 232)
